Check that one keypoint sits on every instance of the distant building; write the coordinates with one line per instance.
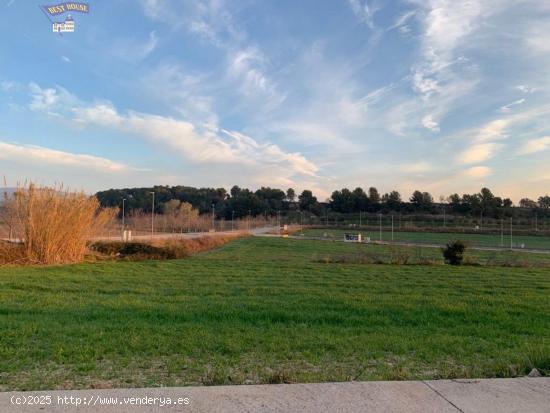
(64, 27)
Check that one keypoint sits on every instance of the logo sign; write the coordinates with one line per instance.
(55, 10)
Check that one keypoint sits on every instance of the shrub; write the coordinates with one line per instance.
(161, 249)
(53, 224)
(453, 253)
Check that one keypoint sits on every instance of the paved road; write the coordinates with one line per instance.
(443, 396)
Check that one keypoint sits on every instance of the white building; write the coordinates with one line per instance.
(64, 27)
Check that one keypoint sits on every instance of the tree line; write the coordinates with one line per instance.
(240, 202)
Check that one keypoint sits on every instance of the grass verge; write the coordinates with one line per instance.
(260, 310)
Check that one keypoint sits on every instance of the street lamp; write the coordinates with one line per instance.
(152, 215)
(213, 218)
(380, 225)
(123, 200)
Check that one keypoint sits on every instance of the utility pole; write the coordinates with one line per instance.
(279, 222)
(232, 220)
(152, 215)
(249, 216)
(444, 217)
(392, 227)
(301, 222)
(360, 213)
(536, 222)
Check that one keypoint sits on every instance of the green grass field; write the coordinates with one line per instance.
(482, 240)
(265, 310)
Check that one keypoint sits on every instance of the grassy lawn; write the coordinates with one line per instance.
(485, 240)
(262, 310)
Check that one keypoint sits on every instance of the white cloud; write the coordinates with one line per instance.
(42, 99)
(508, 107)
(417, 167)
(202, 143)
(478, 153)
(9, 86)
(430, 124)
(535, 145)
(182, 136)
(65, 59)
(494, 130)
(246, 66)
(363, 11)
(477, 172)
(538, 37)
(40, 155)
(525, 89)
(401, 22)
(132, 49)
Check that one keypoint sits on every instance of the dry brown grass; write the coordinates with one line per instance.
(53, 225)
(161, 249)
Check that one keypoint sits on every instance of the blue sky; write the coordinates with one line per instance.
(436, 95)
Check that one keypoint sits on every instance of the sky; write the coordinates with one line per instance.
(438, 95)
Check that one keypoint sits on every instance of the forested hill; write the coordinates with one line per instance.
(240, 202)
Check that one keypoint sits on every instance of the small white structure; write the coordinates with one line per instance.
(352, 237)
(64, 27)
(126, 236)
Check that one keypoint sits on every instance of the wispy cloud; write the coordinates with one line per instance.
(535, 145)
(40, 155)
(363, 11)
(211, 146)
(509, 106)
(477, 172)
(417, 167)
(478, 153)
(134, 49)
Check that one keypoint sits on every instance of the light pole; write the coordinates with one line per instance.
(481, 221)
(213, 219)
(502, 232)
(511, 235)
(444, 217)
(360, 213)
(301, 222)
(123, 200)
(279, 222)
(380, 225)
(152, 215)
(232, 220)
(392, 227)
(249, 216)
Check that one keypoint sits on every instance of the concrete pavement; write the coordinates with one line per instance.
(440, 396)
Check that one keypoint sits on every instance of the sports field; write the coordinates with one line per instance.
(269, 310)
(440, 238)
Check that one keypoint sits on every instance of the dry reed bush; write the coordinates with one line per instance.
(11, 253)
(56, 223)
